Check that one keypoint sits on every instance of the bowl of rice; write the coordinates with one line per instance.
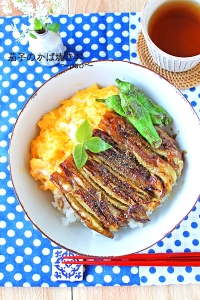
(46, 129)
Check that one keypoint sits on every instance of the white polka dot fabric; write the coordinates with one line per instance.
(25, 254)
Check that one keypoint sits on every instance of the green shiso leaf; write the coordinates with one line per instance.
(84, 132)
(96, 145)
(80, 156)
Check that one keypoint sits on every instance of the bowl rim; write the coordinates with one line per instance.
(24, 107)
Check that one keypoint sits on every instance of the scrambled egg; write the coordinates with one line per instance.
(57, 131)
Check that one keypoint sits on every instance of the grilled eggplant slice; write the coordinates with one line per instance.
(126, 164)
(116, 188)
(110, 183)
(94, 201)
(124, 134)
(144, 198)
(88, 218)
(104, 201)
(122, 183)
(169, 150)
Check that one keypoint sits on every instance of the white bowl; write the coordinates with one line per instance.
(37, 203)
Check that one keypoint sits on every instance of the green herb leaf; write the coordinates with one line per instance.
(32, 35)
(51, 10)
(37, 24)
(84, 132)
(86, 141)
(96, 145)
(80, 156)
(53, 27)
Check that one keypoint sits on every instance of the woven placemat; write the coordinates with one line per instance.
(182, 80)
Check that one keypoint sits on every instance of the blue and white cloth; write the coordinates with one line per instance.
(26, 256)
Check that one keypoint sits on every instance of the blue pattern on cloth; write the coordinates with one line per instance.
(65, 271)
(26, 254)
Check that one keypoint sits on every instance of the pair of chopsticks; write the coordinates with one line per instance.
(191, 259)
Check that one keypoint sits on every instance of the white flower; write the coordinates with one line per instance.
(41, 11)
(25, 6)
(25, 30)
(24, 27)
(6, 7)
(56, 6)
(15, 32)
(18, 36)
(37, 9)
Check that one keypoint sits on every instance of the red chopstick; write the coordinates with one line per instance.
(191, 259)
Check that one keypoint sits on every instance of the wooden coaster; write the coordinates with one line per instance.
(182, 80)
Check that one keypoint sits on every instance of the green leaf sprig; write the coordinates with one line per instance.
(86, 141)
(39, 26)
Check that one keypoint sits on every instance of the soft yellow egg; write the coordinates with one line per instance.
(57, 130)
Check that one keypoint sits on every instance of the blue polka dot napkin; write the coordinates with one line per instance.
(27, 258)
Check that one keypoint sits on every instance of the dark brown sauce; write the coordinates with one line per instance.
(175, 28)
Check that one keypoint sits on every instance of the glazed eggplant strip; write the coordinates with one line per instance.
(169, 150)
(88, 200)
(126, 164)
(111, 183)
(89, 219)
(94, 199)
(68, 164)
(121, 183)
(146, 199)
(116, 188)
(112, 186)
(121, 211)
(124, 134)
